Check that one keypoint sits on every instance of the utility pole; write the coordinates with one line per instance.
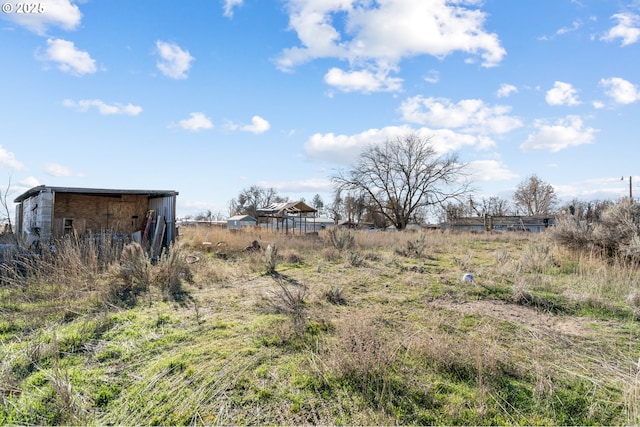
(630, 188)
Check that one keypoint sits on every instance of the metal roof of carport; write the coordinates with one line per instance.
(94, 192)
(288, 207)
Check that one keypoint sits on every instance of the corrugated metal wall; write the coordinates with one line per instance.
(166, 206)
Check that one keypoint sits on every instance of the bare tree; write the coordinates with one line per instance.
(495, 205)
(253, 198)
(403, 177)
(5, 215)
(535, 196)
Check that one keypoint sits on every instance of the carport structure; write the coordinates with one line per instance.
(278, 215)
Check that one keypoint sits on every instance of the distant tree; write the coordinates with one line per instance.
(495, 206)
(317, 203)
(586, 210)
(535, 197)
(404, 176)
(253, 198)
(336, 208)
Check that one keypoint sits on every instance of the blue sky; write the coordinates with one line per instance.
(208, 97)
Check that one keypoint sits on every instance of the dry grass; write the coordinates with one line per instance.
(384, 332)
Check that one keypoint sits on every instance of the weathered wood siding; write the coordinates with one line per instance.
(96, 214)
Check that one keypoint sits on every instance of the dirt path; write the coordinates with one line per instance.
(573, 326)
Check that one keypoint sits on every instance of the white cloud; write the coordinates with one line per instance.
(299, 186)
(196, 122)
(69, 59)
(258, 125)
(377, 36)
(362, 81)
(628, 29)
(506, 90)
(562, 94)
(55, 13)
(174, 62)
(575, 25)
(346, 148)
(57, 170)
(490, 170)
(30, 182)
(432, 77)
(8, 159)
(621, 90)
(564, 133)
(103, 108)
(229, 5)
(468, 115)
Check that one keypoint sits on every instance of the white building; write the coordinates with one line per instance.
(238, 222)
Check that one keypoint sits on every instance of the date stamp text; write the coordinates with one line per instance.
(22, 7)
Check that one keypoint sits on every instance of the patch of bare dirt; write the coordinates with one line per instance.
(521, 315)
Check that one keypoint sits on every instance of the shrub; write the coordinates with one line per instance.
(131, 277)
(355, 259)
(271, 258)
(289, 298)
(168, 274)
(617, 234)
(335, 295)
(572, 233)
(415, 248)
(536, 258)
(341, 238)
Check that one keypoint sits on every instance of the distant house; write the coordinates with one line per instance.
(533, 224)
(238, 222)
(44, 213)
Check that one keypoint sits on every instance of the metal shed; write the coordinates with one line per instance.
(44, 213)
(238, 222)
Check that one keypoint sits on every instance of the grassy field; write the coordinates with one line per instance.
(366, 328)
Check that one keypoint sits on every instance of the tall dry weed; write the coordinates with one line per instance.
(131, 277)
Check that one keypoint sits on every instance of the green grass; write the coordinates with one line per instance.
(384, 333)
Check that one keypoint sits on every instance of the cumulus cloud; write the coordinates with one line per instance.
(377, 36)
(620, 90)
(69, 59)
(196, 122)
(362, 81)
(102, 107)
(564, 133)
(490, 170)
(345, 149)
(258, 125)
(562, 94)
(55, 13)
(627, 29)
(8, 159)
(468, 115)
(58, 170)
(229, 5)
(174, 62)
(506, 90)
